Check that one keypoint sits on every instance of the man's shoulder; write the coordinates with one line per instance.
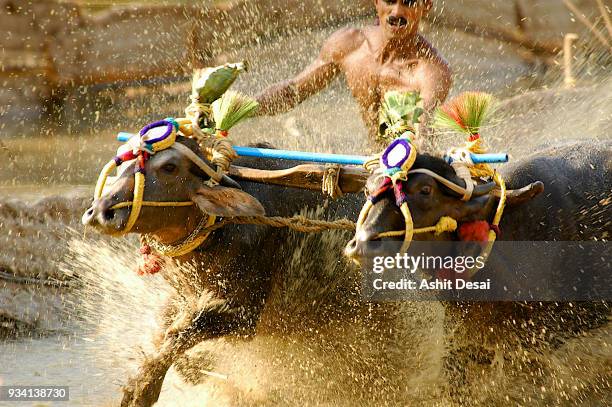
(433, 68)
(428, 52)
(343, 42)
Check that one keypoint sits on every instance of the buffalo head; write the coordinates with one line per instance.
(428, 201)
(169, 177)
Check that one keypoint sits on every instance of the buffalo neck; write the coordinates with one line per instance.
(175, 235)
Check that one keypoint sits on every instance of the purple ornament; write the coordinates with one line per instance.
(397, 154)
(162, 123)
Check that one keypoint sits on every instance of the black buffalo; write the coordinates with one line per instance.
(575, 206)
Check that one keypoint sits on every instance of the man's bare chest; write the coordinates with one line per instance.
(369, 78)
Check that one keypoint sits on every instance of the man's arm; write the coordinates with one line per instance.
(435, 77)
(284, 96)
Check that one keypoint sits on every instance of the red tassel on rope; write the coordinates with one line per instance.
(477, 231)
(150, 262)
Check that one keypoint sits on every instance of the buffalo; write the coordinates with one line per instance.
(236, 268)
(568, 200)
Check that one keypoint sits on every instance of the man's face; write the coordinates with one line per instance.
(400, 18)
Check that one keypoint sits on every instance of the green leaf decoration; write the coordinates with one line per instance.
(399, 113)
(232, 108)
(210, 83)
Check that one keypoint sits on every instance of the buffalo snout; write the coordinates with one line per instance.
(364, 245)
(102, 217)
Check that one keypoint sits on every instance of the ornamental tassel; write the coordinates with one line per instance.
(466, 114)
(150, 262)
(477, 231)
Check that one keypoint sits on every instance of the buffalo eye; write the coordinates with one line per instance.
(426, 190)
(169, 168)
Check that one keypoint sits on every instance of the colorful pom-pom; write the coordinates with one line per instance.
(477, 231)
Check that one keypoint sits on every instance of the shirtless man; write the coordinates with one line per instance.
(375, 59)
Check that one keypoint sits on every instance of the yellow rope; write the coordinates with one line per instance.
(485, 170)
(409, 227)
(222, 153)
(479, 170)
(372, 163)
(191, 243)
(139, 180)
(330, 182)
(153, 203)
(298, 223)
(445, 224)
(104, 174)
(502, 200)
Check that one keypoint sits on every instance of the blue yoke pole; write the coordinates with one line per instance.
(326, 158)
(301, 156)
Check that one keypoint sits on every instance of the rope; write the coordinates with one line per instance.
(189, 244)
(298, 223)
(445, 224)
(218, 148)
(222, 153)
(372, 164)
(479, 170)
(330, 183)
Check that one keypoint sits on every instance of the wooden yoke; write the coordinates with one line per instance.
(305, 176)
(352, 180)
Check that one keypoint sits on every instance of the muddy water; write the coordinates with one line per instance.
(114, 319)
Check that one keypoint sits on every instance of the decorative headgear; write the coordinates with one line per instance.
(151, 139)
(396, 162)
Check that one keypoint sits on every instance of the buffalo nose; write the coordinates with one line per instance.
(100, 213)
(352, 248)
(362, 245)
(88, 217)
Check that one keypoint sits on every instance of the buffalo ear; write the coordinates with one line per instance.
(227, 202)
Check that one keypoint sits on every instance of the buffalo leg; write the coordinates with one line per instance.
(195, 324)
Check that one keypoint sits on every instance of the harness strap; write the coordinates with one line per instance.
(189, 244)
(451, 185)
(186, 151)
